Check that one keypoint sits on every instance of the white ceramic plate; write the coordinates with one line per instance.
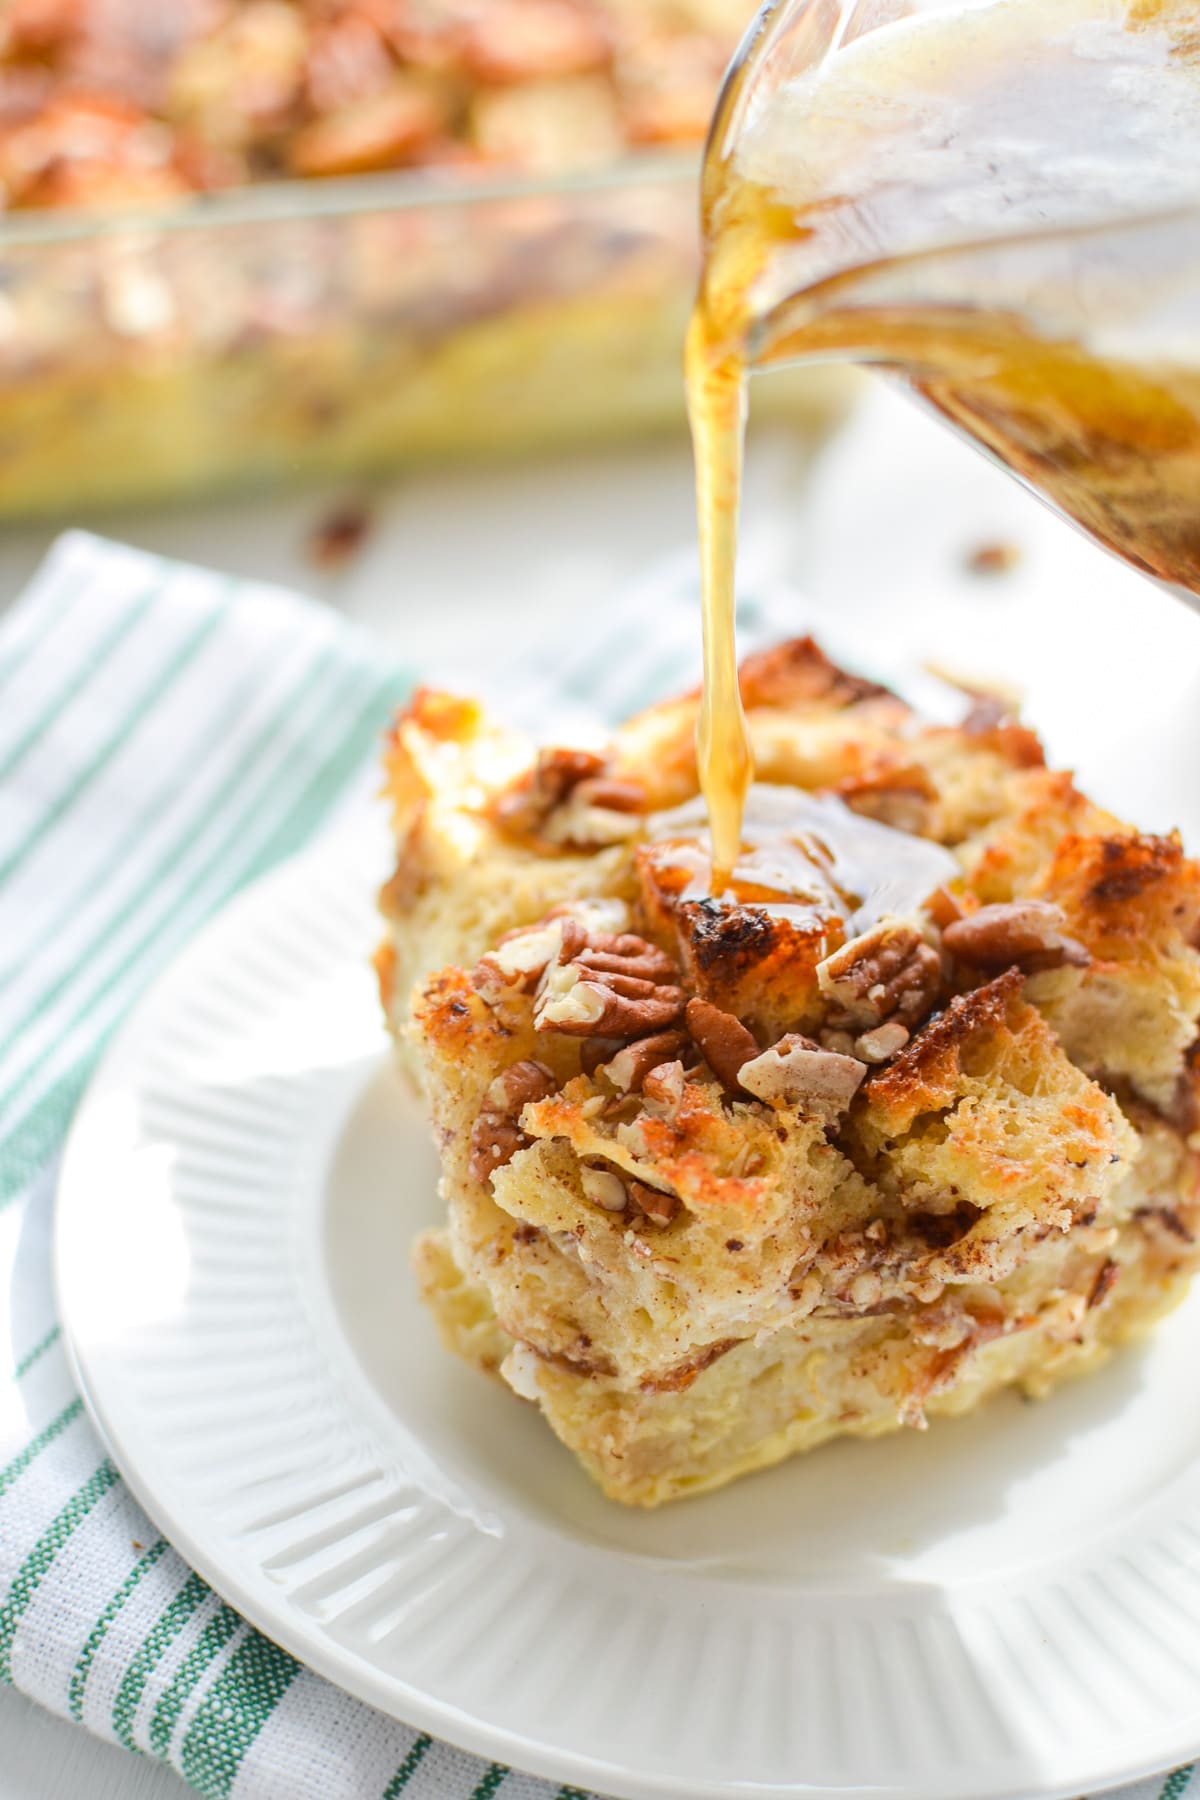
(1008, 1605)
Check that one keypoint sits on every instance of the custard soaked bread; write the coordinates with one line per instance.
(907, 1115)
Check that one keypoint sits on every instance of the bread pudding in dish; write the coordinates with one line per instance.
(905, 1115)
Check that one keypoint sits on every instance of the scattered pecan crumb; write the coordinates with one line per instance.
(725, 1042)
(340, 535)
(1026, 934)
(497, 1136)
(993, 557)
(734, 1244)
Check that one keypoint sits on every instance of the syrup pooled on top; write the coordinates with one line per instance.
(805, 859)
(1001, 204)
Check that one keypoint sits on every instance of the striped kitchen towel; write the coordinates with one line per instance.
(165, 736)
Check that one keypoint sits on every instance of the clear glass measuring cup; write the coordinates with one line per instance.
(999, 202)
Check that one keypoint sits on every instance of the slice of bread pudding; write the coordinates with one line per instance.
(907, 1115)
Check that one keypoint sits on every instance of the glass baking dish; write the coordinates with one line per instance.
(304, 328)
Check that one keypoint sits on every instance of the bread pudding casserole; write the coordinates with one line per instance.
(904, 1116)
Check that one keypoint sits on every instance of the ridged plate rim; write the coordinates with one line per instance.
(323, 898)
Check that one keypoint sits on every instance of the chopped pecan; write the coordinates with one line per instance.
(604, 1188)
(797, 1072)
(995, 556)
(888, 974)
(595, 1053)
(679, 1378)
(655, 1206)
(943, 906)
(1106, 1279)
(497, 1135)
(724, 1041)
(664, 1085)
(518, 960)
(1026, 934)
(609, 986)
(628, 1069)
(884, 1042)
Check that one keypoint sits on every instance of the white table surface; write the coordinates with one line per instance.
(877, 537)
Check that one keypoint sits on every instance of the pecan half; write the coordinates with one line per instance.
(599, 812)
(526, 801)
(797, 1072)
(615, 953)
(608, 986)
(723, 1040)
(497, 1135)
(1030, 934)
(521, 957)
(888, 976)
(570, 800)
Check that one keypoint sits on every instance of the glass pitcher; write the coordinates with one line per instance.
(998, 201)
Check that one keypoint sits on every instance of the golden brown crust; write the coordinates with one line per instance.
(694, 1275)
(1126, 895)
(925, 1076)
